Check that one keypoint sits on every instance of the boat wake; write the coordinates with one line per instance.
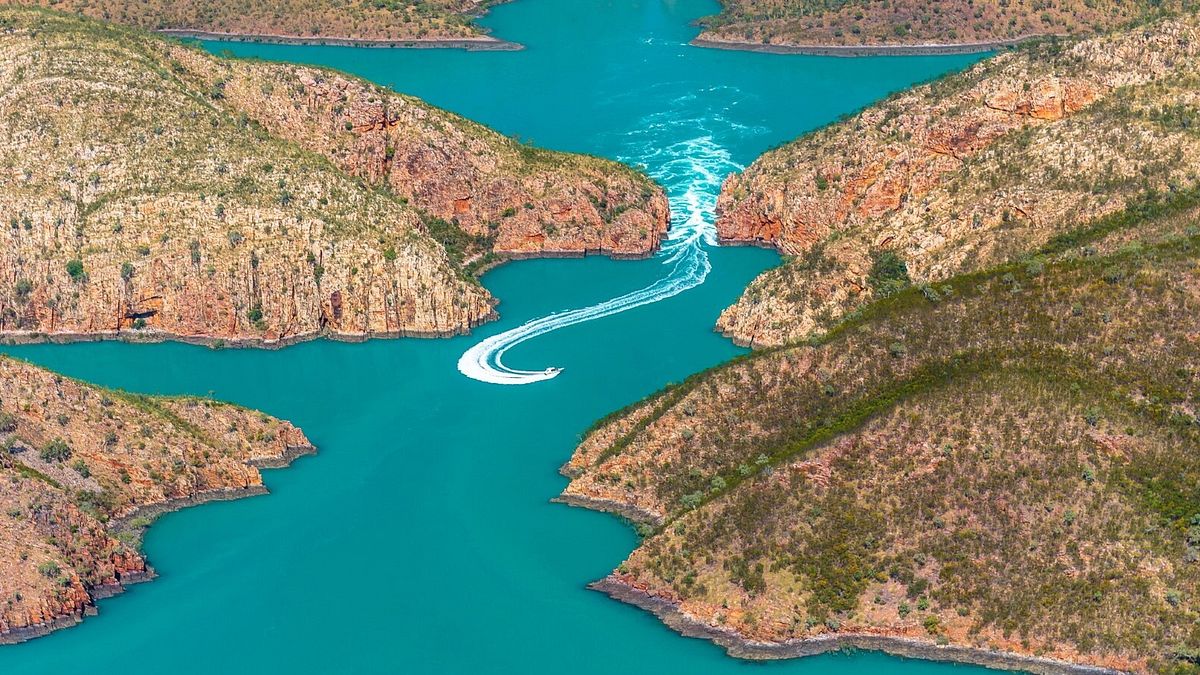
(691, 171)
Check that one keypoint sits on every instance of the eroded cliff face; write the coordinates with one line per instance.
(520, 200)
(162, 193)
(81, 464)
(966, 172)
(986, 473)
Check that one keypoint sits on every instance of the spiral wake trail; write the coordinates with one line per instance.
(691, 171)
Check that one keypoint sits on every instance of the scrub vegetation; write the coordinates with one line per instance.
(964, 173)
(854, 23)
(1005, 459)
(153, 190)
(83, 470)
(385, 20)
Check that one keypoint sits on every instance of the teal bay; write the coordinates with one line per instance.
(420, 539)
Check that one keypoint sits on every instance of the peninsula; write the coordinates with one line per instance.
(86, 469)
(964, 173)
(998, 468)
(162, 193)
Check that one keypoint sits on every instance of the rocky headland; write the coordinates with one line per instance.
(998, 468)
(86, 469)
(162, 193)
(962, 173)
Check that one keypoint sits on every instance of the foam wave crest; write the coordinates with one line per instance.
(691, 170)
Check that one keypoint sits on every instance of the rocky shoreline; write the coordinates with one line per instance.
(622, 509)
(125, 524)
(419, 189)
(27, 633)
(479, 44)
(670, 614)
(864, 50)
(76, 515)
(151, 512)
(151, 336)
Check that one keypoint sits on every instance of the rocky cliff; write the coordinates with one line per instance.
(85, 469)
(963, 173)
(998, 469)
(518, 200)
(412, 21)
(863, 27)
(158, 192)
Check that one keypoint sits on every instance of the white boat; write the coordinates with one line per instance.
(553, 371)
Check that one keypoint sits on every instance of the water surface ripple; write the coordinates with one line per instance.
(420, 540)
(691, 172)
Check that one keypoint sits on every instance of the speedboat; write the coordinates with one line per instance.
(553, 371)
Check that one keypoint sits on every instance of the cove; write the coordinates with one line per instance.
(420, 539)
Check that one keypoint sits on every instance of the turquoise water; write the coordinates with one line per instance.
(420, 539)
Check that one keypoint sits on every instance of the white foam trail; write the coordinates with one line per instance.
(691, 171)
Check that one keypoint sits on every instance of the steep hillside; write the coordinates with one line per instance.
(155, 191)
(850, 25)
(999, 468)
(85, 469)
(512, 199)
(963, 173)
(298, 20)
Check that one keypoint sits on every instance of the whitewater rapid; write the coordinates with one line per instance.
(691, 172)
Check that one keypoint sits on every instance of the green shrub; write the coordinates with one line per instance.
(56, 450)
(75, 270)
(23, 288)
(932, 624)
(889, 274)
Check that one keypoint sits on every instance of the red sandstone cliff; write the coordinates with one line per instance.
(970, 170)
(163, 193)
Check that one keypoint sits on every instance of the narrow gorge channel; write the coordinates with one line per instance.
(423, 525)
